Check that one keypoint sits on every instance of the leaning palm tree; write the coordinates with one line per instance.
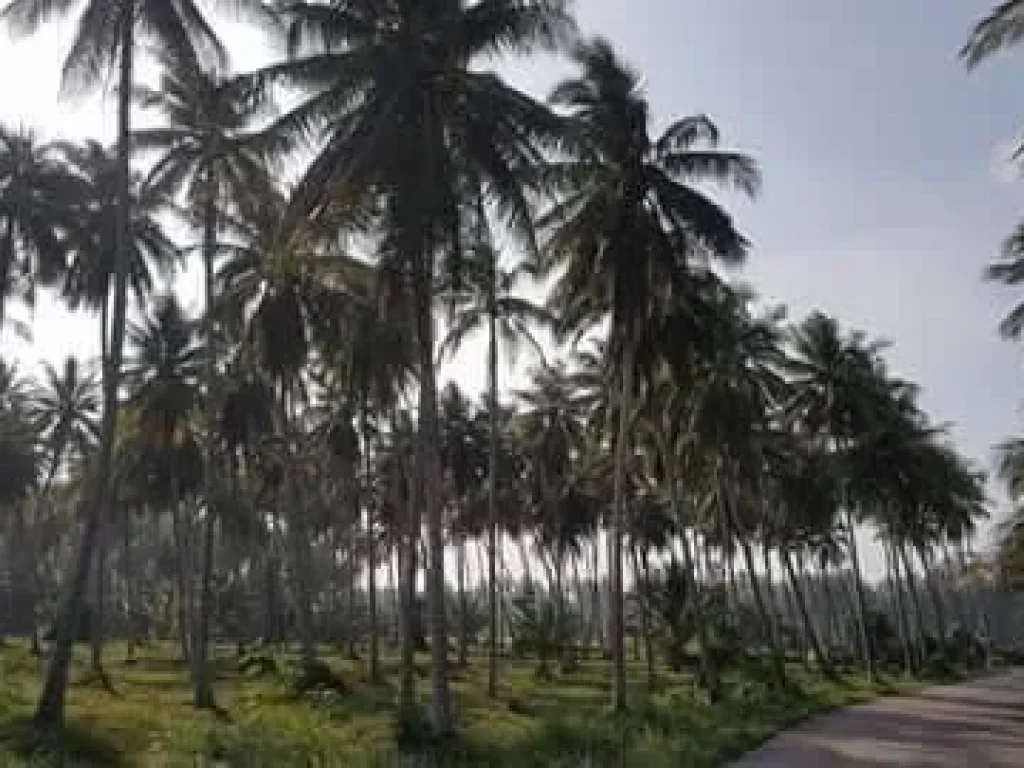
(107, 39)
(369, 69)
(840, 396)
(622, 237)
(488, 299)
(209, 150)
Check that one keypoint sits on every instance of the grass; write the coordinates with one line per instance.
(147, 720)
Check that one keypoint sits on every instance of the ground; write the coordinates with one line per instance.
(975, 724)
(147, 719)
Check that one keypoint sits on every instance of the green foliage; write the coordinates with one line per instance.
(149, 723)
(543, 627)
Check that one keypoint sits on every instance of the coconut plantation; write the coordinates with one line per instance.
(417, 414)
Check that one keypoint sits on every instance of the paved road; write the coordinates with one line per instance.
(973, 725)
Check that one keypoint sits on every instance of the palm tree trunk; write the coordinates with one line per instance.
(938, 608)
(492, 486)
(97, 620)
(642, 566)
(729, 499)
(181, 568)
(618, 606)
(460, 576)
(798, 595)
(902, 622)
(858, 585)
(50, 707)
(371, 556)
(298, 534)
(203, 694)
(131, 602)
(409, 612)
(915, 601)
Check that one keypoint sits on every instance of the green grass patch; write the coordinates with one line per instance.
(147, 719)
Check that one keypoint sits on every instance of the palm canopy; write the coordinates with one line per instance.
(163, 369)
(470, 306)
(66, 410)
(177, 27)
(1009, 270)
(837, 392)
(287, 285)
(1002, 28)
(89, 278)
(19, 448)
(37, 198)
(207, 143)
(370, 67)
(630, 219)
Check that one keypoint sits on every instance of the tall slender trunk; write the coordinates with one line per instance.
(902, 620)
(371, 554)
(727, 485)
(298, 533)
(858, 584)
(617, 608)
(492, 483)
(642, 577)
(823, 660)
(130, 599)
(98, 617)
(915, 600)
(460, 577)
(938, 608)
(50, 707)
(409, 624)
(203, 697)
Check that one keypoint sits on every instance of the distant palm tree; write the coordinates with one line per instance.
(107, 38)
(407, 116)
(37, 195)
(67, 410)
(838, 397)
(623, 235)
(90, 273)
(209, 150)
(487, 298)
(21, 464)
(162, 377)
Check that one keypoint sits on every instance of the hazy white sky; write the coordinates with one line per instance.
(886, 189)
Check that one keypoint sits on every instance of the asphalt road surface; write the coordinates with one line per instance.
(972, 725)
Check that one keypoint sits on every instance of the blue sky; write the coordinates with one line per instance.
(885, 193)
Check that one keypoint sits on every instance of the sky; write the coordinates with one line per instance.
(887, 186)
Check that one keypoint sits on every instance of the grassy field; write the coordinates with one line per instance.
(147, 720)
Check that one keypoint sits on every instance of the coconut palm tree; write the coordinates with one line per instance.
(622, 237)
(37, 196)
(840, 397)
(209, 150)
(162, 378)
(487, 298)
(107, 38)
(92, 243)
(369, 69)
(21, 464)
(66, 408)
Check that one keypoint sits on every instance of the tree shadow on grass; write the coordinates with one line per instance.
(70, 745)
